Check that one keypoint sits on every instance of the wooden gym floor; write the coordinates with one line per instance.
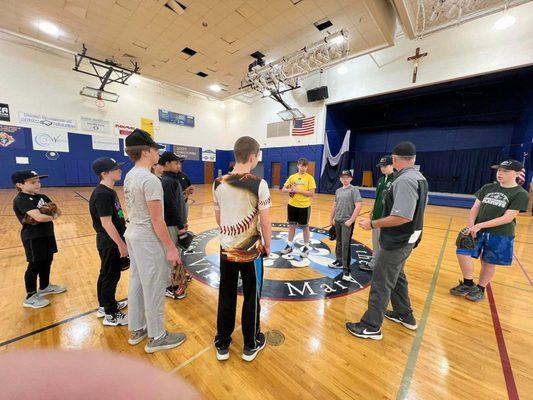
(461, 350)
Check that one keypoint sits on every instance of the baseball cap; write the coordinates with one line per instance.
(168, 156)
(404, 149)
(24, 175)
(386, 160)
(511, 165)
(141, 138)
(105, 164)
(347, 172)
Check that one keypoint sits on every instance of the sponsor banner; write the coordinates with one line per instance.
(209, 155)
(123, 130)
(176, 118)
(187, 152)
(147, 125)
(44, 120)
(95, 125)
(12, 137)
(4, 112)
(109, 143)
(50, 140)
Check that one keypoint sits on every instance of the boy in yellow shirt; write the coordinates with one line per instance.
(301, 187)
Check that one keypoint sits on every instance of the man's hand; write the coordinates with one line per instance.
(123, 250)
(332, 222)
(173, 256)
(349, 222)
(365, 224)
(474, 230)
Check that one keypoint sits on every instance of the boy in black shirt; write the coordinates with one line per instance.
(109, 224)
(37, 237)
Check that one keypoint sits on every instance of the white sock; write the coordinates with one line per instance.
(160, 336)
(289, 243)
(306, 244)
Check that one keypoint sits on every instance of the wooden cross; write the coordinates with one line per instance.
(415, 58)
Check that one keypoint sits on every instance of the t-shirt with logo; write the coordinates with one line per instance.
(104, 202)
(495, 200)
(140, 187)
(303, 182)
(345, 199)
(24, 202)
(239, 197)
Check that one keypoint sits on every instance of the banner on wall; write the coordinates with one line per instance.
(147, 125)
(123, 130)
(95, 125)
(50, 140)
(12, 137)
(209, 155)
(4, 112)
(50, 122)
(187, 152)
(172, 117)
(109, 143)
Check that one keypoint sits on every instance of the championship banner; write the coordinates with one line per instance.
(51, 122)
(4, 112)
(187, 152)
(12, 137)
(123, 130)
(95, 125)
(50, 140)
(147, 125)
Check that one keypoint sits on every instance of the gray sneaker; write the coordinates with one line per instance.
(461, 289)
(408, 321)
(222, 354)
(476, 294)
(35, 301)
(52, 289)
(167, 342)
(137, 336)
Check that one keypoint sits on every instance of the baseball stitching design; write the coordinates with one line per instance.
(240, 227)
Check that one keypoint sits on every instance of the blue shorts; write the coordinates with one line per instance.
(493, 249)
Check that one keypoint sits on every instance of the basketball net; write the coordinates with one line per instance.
(99, 102)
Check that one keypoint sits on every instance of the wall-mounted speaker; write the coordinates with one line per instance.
(316, 94)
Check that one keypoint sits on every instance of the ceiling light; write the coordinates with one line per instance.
(504, 22)
(215, 88)
(49, 28)
(222, 105)
(342, 69)
(337, 39)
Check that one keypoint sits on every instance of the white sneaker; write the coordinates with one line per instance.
(35, 301)
(52, 289)
(122, 304)
(116, 319)
(100, 313)
(348, 278)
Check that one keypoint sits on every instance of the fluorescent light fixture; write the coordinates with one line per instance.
(49, 28)
(222, 105)
(342, 69)
(337, 39)
(504, 22)
(288, 115)
(215, 88)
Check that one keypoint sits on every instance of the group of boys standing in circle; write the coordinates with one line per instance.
(156, 192)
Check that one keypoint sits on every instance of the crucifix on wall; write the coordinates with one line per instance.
(415, 59)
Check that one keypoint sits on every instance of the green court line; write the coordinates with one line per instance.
(413, 356)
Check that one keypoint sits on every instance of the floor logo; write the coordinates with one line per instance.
(323, 282)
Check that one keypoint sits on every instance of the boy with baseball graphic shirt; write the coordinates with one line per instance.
(242, 203)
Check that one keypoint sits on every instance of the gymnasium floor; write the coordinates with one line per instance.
(461, 350)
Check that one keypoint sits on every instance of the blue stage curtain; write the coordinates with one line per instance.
(452, 171)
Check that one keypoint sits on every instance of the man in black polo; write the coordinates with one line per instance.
(401, 230)
(186, 185)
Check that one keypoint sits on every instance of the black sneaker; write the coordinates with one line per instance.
(461, 289)
(408, 321)
(362, 331)
(222, 354)
(250, 354)
(305, 251)
(335, 264)
(476, 294)
(287, 250)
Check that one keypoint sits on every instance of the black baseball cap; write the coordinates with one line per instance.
(105, 164)
(168, 156)
(404, 149)
(141, 138)
(386, 160)
(347, 172)
(24, 175)
(511, 165)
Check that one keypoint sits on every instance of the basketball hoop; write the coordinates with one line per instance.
(99, 102)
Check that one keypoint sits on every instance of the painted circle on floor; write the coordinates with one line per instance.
(323, 281)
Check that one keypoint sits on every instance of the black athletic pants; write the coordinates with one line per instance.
(108, 279)
(39, 254)
(252, 281)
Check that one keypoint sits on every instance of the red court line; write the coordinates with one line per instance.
(512, 391)
(524, 271)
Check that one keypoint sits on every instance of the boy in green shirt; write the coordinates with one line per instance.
(492, 222)
(384, 183)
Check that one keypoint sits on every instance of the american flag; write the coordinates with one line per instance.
(304, 126)
(521, 178)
